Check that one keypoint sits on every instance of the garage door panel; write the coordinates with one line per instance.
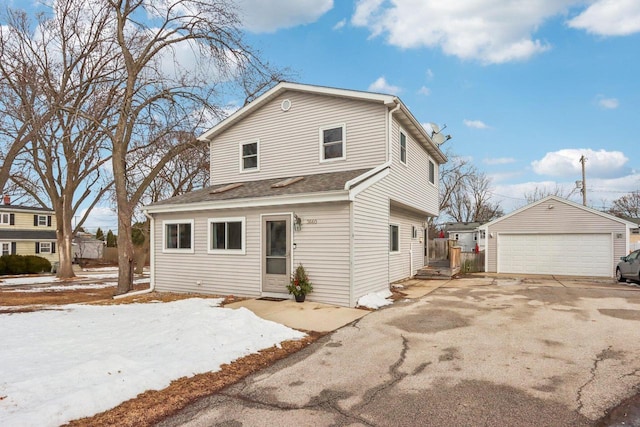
(566, 254)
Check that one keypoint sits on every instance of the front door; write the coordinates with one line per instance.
(276, 244)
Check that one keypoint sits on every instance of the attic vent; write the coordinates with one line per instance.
(287, 182)
(227, 188)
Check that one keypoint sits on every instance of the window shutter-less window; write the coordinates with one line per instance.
(13, 247)
(48, 220)
(35, 220)
(12, 219)
(37, 247)
(53, 248)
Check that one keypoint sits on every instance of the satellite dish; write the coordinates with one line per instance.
(438, 138)
(434, 128)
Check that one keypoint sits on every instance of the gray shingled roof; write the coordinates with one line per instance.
(264, 188)
(5, 208)
(27, 235)
(461, 226)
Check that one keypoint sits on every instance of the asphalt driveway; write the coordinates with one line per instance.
(476, 351)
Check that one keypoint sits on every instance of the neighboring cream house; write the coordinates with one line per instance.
(27, 231)
(467, 235)
(339, 181)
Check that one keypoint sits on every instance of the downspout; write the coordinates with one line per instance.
(389, 162)
(152, 285)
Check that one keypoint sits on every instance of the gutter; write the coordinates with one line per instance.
(152, 284)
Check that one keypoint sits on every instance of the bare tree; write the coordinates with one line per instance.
(62, 158)
(627, 206)
(539, 193)
(465, 193)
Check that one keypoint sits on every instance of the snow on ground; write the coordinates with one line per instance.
(79, 360)
(28, 280)
(375, 300)
(112, 268)
(59, 288)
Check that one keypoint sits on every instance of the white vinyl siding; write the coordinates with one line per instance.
(561, 218)
(289, 140)
(411, 252)
(409, 184)
(370, 242)
(322, 246)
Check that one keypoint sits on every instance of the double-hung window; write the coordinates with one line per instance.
(178, 236)
(403, 148)
(44, 248)
(249, 156)
(226, 235)
(5, 218)
(432, 172)
(5, 248)
(394, 238)
(41, 221)
(333, 143)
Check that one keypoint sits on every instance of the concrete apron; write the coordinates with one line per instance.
(306, 316)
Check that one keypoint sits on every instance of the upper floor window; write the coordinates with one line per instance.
(332, 143)
(403, 148)
(178, 235)
(5, 218)
(394, 238)
(249, 156)
(226, 235)
(432, 172)
(42, 220)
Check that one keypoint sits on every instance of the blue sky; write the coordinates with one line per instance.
(525, 88)
(523, 92)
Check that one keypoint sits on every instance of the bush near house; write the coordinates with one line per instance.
(23, 264)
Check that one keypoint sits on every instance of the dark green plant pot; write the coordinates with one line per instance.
(300, 298)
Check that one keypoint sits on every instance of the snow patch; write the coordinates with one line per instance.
(375, 300)
(79, 360)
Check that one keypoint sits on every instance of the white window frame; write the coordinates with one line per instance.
(390, 236)
(432, 164)
(43, 245)
(482, 234)
(5, 218)
(344, 142)
(40, 222)
(2, 248)
(242, 168)
(406, 148)
(211, 250)
(164, 236)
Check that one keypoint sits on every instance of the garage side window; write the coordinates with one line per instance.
(226, 235)
(394, 238)
(178, 236)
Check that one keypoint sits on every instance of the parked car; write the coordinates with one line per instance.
(629, 267)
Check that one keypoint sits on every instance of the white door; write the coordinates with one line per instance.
(561, 254)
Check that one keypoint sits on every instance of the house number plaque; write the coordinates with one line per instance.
(311, 221)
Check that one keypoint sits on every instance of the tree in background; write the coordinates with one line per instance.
(62, 159)
(627, 206)
(112, 240)
(99, 234)
(539, 193)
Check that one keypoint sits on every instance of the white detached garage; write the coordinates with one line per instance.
(556, 236)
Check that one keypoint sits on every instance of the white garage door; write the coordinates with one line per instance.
(563, 254)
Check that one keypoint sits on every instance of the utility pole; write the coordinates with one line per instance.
(583, 160)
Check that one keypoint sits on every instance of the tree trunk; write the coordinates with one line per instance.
(126, 255)
(64, 238)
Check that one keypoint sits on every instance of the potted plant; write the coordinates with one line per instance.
(299, 284)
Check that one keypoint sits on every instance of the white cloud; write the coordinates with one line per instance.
(565, 163)
(499, 161)
(103, 217)
(609, 18)
(480, 30)
(430, 74)
(608, 103)
(382, 86)
(340, 25)
(424, 91)
(265, 16)
(476, 124)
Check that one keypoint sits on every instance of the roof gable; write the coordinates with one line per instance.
(560, 200)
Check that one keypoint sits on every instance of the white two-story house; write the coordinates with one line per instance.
(340, 181)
